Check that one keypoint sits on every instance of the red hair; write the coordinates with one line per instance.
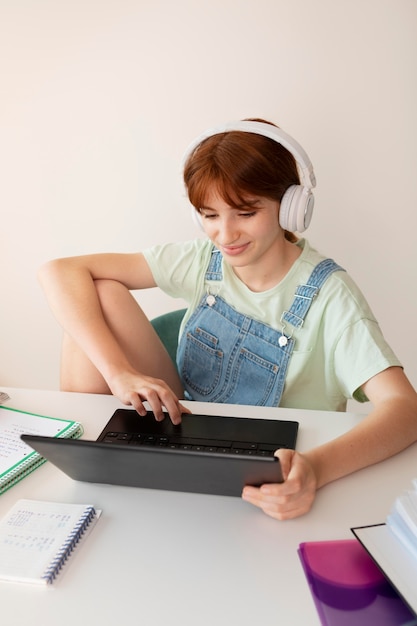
(240, 164)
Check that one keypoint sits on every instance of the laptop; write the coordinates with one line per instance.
(204, 454)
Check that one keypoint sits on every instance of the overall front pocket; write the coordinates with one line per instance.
(202, 364)
(252, 380)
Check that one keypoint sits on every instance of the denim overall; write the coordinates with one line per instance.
(226, 356)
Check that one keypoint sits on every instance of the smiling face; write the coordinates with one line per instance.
(248, 235)
(234, 169)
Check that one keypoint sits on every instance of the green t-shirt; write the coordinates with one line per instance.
(340, 345)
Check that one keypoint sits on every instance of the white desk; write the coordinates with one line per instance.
(158, 557)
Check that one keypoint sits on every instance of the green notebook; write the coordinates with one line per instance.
(17, 459)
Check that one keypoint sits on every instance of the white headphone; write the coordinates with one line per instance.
(298, 201)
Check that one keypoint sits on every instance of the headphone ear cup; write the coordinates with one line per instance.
(196, 217)
(296, 209)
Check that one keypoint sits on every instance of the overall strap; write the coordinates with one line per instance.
(214, 269)
(305, 294)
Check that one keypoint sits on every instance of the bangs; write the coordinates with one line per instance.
(236, 165)
(231, 191)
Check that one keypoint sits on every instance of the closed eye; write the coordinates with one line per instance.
(211, 216)
(247, 214)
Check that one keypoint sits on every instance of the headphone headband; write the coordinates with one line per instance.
(267, 130)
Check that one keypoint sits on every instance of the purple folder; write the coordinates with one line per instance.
(348, 588)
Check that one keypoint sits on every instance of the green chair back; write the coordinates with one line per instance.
(167, 327)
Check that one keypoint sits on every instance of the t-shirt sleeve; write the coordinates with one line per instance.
(178, 268)
(361, 353)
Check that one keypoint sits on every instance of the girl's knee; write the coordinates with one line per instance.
(114, 298)
(107, 288)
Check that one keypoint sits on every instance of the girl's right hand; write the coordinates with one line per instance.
(133, 389)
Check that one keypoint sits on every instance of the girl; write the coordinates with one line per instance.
(270, 321)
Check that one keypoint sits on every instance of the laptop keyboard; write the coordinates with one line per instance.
(189, 443)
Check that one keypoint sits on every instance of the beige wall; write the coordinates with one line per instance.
(99, 99)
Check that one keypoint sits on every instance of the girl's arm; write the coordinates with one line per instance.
(389, 428)
(72, 295)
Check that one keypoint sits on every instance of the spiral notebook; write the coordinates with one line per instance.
(37, 538)
(17, 459)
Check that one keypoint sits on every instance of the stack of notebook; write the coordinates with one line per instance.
(393, 545)
(370, 581)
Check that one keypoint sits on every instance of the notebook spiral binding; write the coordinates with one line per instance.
(68, 546)
(34, 461)
(24, 469)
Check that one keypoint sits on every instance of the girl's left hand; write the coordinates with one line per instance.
(294, 496)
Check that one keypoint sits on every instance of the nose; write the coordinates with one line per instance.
(227, 232)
